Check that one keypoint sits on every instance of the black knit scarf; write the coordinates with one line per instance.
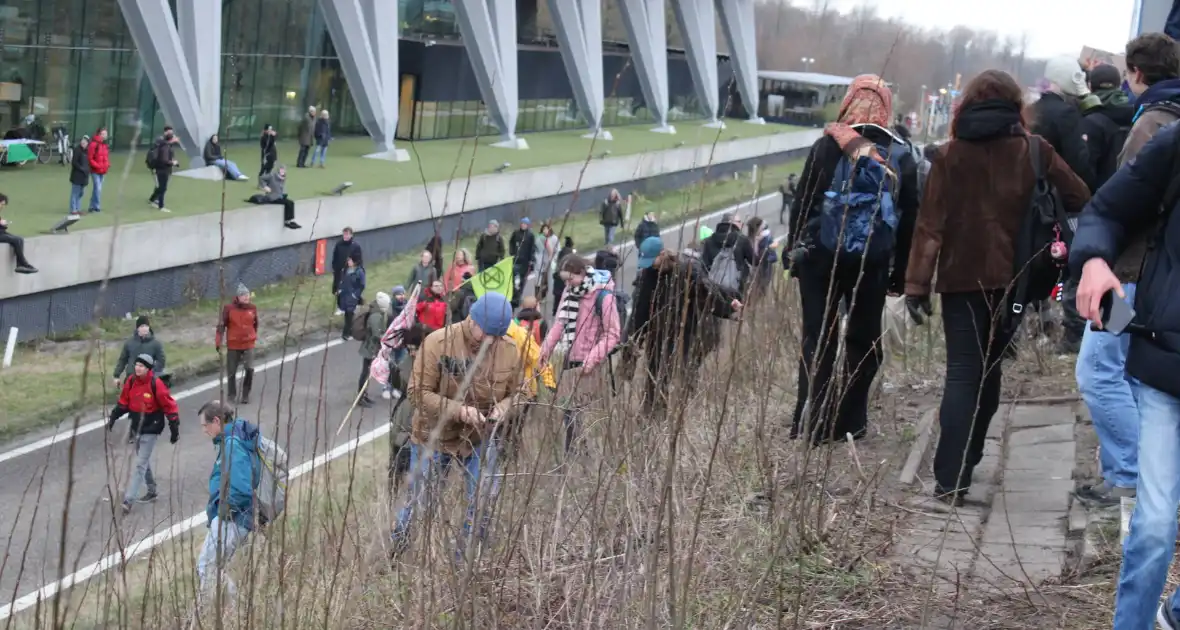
(992, 118)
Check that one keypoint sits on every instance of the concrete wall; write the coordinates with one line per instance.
(162, 264)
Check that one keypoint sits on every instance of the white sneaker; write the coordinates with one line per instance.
(165, 210)
(338, 313)
(242, 178)
(385, 394)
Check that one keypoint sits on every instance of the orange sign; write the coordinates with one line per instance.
(321, 256)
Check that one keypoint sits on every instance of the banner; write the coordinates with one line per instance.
(1091, 57)
(494, 279)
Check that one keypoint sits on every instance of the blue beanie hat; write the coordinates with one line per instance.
(648, 250)
(526, 221)
(492, 313)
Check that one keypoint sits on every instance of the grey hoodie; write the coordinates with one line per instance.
(136, 346)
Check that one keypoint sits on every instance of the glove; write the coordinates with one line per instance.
(116, 413)
(174, 429)
(919, 308)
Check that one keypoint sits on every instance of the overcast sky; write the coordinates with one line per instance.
(1054, 26)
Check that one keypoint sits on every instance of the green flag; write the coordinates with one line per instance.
(496, 279)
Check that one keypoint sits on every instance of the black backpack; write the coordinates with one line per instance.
(153, 157)
(1044, 231)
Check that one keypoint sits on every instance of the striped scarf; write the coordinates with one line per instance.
(567, 314)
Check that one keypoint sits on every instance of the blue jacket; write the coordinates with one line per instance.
(1127, 206)
(237, 449)
(1166, 90)
(352, 286)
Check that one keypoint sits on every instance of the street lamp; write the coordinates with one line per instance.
(807, 61)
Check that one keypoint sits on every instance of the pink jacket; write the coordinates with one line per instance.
(454, 276)
(594, 339)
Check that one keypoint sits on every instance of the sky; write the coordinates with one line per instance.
(1054, 27)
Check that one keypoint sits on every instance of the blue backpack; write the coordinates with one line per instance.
(859, 216)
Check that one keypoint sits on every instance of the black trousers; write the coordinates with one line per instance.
(288, 209)
(18, 247)
(364, 379)
(974, 351)
(162, 175)
(826, 408)
(348, 316)
(301, 160)
(234, 359)
(268, 164)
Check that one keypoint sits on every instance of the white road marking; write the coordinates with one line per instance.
(85, 573)
(62, 436)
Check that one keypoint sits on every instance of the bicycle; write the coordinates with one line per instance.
(56, 142)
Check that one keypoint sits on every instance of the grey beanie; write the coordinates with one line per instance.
(146, 360)
(242, 290)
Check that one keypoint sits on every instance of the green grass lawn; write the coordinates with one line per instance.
(46, 381)
(39, 193)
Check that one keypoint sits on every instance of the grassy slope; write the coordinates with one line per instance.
(39, 194)
(48, 380)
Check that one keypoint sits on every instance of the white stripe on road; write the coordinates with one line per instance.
(85, 573)
(63, 436)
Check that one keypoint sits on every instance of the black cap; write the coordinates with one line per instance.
(142, 320)
(1105, 77)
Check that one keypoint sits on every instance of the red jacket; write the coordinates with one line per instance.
(432, 312)
(150, 403)
(238, 326)
(99, 155)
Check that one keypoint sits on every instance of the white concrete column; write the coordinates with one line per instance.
(579, 31)
(646, 28)
(697, 21)
(364, 33)
(737, 21)
(488, 28)
(183, 66)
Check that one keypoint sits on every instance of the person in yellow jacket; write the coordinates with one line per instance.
(530, 355)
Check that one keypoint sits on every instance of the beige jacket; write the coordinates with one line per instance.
(439, 369)
(1149, 122)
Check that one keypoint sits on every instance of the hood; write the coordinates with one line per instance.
(1122, 115)
(868, 101)
(765, 233)
(1166, 90)
(242, 430)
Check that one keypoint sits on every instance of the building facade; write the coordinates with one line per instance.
(406, 69)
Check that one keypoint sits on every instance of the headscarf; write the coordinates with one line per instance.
(868, 101)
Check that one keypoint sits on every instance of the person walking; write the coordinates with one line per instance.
(161, 159)
(347, 247)
(147, 399)
(1142, 198)
(611, 215)
(432, 307)
(98, 154)
(306, 128)
(143, 341)
(765, 258)
(15, 242)
(977, 198)
(728, 255)
(489, 250)
(349, 293)
(647, 228)
(566, 251)
(873, 182)
(451, 424)
(435, 247)
(585, 331)
(1107, 116)
(424, 272)
(213, 156)
(1153, 76)
(375, 325)
(238, 329)
(268, 149)
(229, 512)
(674, 303)
(522, 246)
(460, 266)
(79, 175)
(322, 132)
(274, 192)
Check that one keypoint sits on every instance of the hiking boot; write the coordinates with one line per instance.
(365, 402)
(1101, 496)
(148, 498)
(26, 269)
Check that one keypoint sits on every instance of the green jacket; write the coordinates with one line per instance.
(136, 346)
(375, 322)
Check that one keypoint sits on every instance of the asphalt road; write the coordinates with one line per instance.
(299, 402)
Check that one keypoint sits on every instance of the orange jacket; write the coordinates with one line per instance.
(238, 326)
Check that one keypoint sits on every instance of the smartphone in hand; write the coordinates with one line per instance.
(1116, 313)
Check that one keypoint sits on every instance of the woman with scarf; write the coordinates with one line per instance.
(977, 195)
(835, 409)
(584, 333)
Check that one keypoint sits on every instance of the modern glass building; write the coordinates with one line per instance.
(75, 63)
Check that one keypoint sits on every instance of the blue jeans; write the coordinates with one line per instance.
(227, 535)
(320, 153)
(425, 487)
(1105, 386)
(230, 168)
(76, 193)
(96, 192)
(142, 473)
(609, 233)
(1147, 553)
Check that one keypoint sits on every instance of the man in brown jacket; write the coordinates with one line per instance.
(1153, 74)
(467, 378)
(305, 128)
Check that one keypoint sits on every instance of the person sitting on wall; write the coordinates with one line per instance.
(214, 157)
(17, 243)
(274, 191)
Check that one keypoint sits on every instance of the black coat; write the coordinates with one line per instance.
(1060, 122)
(489, 249)
(79, 167)
(1106, 128)
(659, 302)
(266, 143)
(342, 251)
(727, 236)
(523, 247)
(1125, 208)
(645, 230)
